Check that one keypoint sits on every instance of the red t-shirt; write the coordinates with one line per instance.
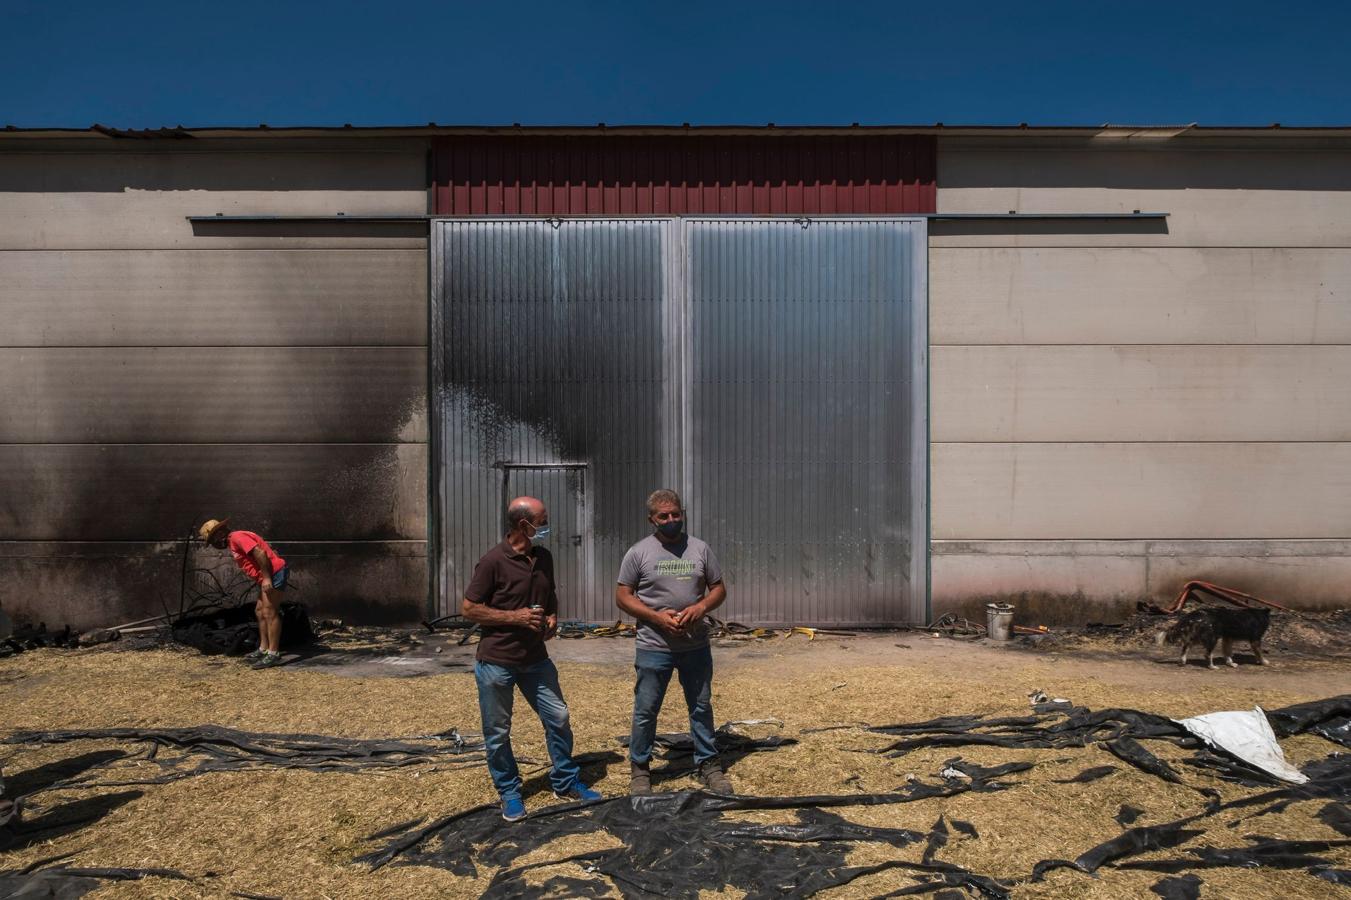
(242, 543)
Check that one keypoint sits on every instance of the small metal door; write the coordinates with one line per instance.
(562, 488)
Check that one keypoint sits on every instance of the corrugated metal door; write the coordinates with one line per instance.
(808, 446)
(547, 353)
(772, 370)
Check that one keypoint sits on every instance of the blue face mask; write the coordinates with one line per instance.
(672, 529)
(541, 532)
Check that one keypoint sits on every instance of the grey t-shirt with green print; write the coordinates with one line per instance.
(670, 576)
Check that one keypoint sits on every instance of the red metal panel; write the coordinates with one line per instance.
(927, 151)
(664, 159)
(829, 158)
(684, 175)
(459, 160)
(743, 175)
(576, 165)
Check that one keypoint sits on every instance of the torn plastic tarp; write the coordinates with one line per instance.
(1128, 749)
(1079, 726)
(1075, 727)
(1330, 718)
(1129, 843)
(983, 778)
(1246, 735)
(1119, 731)
(730, 738)
(69, 883)
(676, 844)
(1261, 852)
(1227, 768)
(229, 750)
(1329, 779)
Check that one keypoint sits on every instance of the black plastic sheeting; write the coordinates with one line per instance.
(1119, 731)
(678, 844)
(67, 883)
(1075, 727)
(231, 750)
(727, 738)
(1130, 842)
(1327, 718)
(1260, 852)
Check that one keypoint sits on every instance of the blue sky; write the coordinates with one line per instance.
(142, 64)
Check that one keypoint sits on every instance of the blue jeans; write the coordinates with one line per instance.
(539, 685)
(654, 667)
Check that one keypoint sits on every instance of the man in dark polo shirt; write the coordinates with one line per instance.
(511, 597)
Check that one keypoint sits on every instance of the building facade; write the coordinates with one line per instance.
(897, 372)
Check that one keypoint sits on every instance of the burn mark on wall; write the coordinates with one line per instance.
(553, 353)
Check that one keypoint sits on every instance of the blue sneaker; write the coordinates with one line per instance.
(578, 791)
(513, 809)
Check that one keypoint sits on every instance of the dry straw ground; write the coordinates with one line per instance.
(295, 833)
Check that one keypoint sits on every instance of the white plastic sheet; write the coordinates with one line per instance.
(1247, 736)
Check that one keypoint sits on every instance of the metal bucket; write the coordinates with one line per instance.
(999, 621)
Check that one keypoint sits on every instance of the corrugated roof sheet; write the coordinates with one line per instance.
(625, 174)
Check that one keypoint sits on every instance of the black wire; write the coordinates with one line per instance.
(183, 576)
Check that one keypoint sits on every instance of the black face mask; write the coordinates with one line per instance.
(672, 529)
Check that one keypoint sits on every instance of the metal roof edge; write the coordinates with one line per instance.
(1105, 131)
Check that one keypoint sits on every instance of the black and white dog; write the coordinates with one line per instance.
(1212, 625)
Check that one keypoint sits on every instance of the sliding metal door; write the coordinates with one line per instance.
(547, 354)
(773, 370)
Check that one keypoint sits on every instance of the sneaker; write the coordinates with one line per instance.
(255, 655)
(710, 773)
(578, 791)
(640, 779)
(267, 660)
(513, 809)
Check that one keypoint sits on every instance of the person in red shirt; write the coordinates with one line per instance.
(256, 559)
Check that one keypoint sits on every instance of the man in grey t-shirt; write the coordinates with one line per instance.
(669, 582)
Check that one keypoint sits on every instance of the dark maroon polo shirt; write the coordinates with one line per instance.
(505, 579)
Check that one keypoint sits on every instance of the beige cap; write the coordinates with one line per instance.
(209, 528)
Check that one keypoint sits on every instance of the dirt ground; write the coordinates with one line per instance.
(288, 833)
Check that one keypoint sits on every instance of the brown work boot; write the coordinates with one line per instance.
(710, 773)
(640, 779)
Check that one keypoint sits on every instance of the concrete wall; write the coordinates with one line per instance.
(158, 373)
(1117, 407)
(1120, 407)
